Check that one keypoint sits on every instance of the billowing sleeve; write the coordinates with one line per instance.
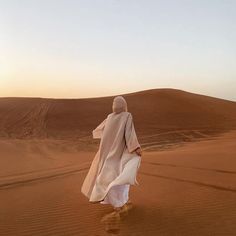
(130, 135)
(97, 132)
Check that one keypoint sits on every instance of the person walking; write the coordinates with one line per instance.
(115, 165)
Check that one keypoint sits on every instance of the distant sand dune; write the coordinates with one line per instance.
(155, 111)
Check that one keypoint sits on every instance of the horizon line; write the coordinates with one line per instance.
(121, 94)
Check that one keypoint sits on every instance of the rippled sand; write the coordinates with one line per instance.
(186, 190)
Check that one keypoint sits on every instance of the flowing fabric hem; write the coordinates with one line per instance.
(116, 182)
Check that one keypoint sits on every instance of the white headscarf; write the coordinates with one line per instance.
(119, 104)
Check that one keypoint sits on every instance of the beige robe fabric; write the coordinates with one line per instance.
(114, 163)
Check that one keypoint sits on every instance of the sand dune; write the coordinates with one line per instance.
(155, 111)
(187, 175)
(187, 191)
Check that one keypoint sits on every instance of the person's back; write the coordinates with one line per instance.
(114, 130)
(115, 165)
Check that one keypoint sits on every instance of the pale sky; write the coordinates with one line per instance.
(91, 48)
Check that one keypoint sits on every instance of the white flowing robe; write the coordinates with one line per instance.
(114, 163)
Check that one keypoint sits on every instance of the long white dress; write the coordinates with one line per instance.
(117, 196)
(115, 165)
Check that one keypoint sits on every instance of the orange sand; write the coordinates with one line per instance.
(187, 176)
(187, 191)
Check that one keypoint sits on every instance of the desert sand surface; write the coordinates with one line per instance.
(187, 177)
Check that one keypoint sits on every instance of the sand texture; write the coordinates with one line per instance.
(187, 177)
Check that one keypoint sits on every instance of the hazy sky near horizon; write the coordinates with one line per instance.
(91, 48)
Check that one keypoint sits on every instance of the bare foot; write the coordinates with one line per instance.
(126, 208)
(117, 209)
(110, 216)
(111, 223)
